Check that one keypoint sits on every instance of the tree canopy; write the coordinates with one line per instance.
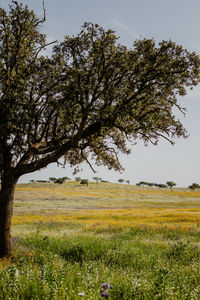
(89, 97)
(170, 184)
(86, 99)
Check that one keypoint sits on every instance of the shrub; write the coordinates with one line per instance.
(194, 186)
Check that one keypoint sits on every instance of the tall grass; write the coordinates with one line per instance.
(97, 254)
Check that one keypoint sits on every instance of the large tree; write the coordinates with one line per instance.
(83, 102)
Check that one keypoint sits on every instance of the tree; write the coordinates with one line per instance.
(66, 178)
(121, 180)
(97, 179)
(83, 102)
(170, 184)
(77, 178)
(194, 186)
(160, 185)
(53, 179)
(59, 180)
(41, 181)
(128, 181)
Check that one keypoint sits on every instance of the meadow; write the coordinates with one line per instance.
(103, 241)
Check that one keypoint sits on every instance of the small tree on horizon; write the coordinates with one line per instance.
(170, 184)
(194, 186)
(52, 179)
(77, 178)
(66, 178)
(120, 180)
(97, 179)
(83, 102)
(59, 180)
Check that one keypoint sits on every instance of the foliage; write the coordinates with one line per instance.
(120, 180)
(144, 248)
(60, 180)
(91, 93)
(176, 250)
(41, 181)
(194, 186)
(160, 185)
(97, 179)
(134, 264)
(84, 101)
(77, 178)
(170, 184)
(145, 183)
(53, 179)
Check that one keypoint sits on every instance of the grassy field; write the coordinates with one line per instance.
(103, 241)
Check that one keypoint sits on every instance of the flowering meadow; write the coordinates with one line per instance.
(104, 241)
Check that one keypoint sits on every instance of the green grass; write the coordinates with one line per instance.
(60, 260)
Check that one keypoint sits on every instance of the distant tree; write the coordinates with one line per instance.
(161, 185)
(53, 179)
(142, 183)
(170, 184)
(121, 180)
(139, 183)
(84, 101)
(31, 180)
(77, 178)
(59, 181)
(41, 181)
(194, 186)
(97, 179)
(66, 178)
(128, 181)
(191, 187)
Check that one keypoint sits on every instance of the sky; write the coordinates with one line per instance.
(177, 20)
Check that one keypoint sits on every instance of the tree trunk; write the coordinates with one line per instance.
(6, 211)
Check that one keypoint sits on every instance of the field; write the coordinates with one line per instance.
(103, 241)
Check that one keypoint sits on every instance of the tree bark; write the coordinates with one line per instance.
(6, 211)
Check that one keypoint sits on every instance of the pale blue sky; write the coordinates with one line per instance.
(178, 20)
